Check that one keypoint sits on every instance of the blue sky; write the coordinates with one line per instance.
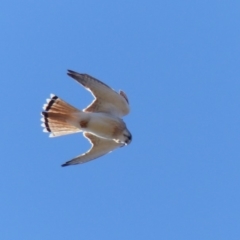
(178, 62)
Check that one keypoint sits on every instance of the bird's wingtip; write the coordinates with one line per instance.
(65, 164)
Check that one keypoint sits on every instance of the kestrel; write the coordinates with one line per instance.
(101, 122)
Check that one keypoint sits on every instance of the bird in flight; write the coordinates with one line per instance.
(101, 122)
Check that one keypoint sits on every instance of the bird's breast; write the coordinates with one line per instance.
(104, 125)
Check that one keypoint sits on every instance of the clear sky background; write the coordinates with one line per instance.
(179, 63)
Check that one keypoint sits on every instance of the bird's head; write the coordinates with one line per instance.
(127, 137)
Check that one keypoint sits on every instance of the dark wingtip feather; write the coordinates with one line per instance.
(74, 74)
(65, 164)
(70, 75)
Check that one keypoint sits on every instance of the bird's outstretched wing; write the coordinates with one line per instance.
(106, 99)
(100, 147)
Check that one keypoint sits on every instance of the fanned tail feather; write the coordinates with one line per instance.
(59, 117)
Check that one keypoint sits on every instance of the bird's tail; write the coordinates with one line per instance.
(59, 117)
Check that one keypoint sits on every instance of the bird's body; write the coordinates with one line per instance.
(100, 122)
(103, 125)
